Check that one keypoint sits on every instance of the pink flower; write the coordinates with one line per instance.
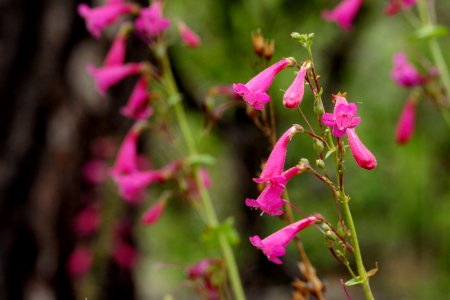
(364, 158)
(137, 107)
(294, 94)
(151, 22)
(395, 6)
(274, 166)
(254, 91)
(275, 244)
(269, 201)
(405, 126)
(79, 262)
(125, 255)
(203, 272)
(404, 73)
(117, 51)
(100, 17)
(126, 161)
(108, 76)
(190, 38)
(344, 117)
(87, 221)
(152, 215)
(344, 13)
(94, 171)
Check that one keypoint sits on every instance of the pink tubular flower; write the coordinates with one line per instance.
(364, 158)
(269, 201)
(254, 91)
(126, 161)
(106, 77)
(275, 244)
(405, 126)
(343, 13)
(151, 22)
(294, 94)
(273, 169)
(137, 107)
(190, 38)
(100, 17)
(87, 221)
(404, 73)
(344, 117)
(395, 6)
(117, 51)
(203, 273)
(79, 262)
(152, 215)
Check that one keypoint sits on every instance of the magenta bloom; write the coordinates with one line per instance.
(100, 17)
(87, 221)
(106, 77)
(404, 73)
(405, 126)
(395, 6)
(132, 186)
(152, 215)
(294, 94)
(344, 13)
(269, 201)
(275, 244)
(151, 22)
(126, 161)
(125, 255)
(344, 117)
(203, 272)
(79, 262)
(137, 107)
(364, 158)
(254, 91)
(274, 167)
(190, 38)
(117, 51)
(94, 171)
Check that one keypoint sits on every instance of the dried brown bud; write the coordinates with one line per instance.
(269, 49)
(258, 42)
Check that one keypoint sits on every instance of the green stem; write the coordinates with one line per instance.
(205, 197)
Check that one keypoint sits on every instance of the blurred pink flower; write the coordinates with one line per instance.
(269, 201)
(79, 262)
(273, 169)
(343, 117)
(344, 13)
(404, 73)
(275, 244)
(100, 17)
(137, 107)
(394, 6)
(117, 51)
(126, 161)
(94, 171)
(106, 77)
(203, 271)
(152, 215)
(190, 38)
(125, 255)
(151, 22)
(87, 221)
(254, 91)
(405, 125)
(363, 157)
(294, 94)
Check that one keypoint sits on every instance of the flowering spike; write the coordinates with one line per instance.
(137, 107)
(275, 244)
(106, 77)
(344, 13)
(405, 74)
(294, 94)
(254, 91)
(275, 163)
(405, 126)
(100, 17)
(343, 117)
(151, 22)
(190, 38)
(364, 158)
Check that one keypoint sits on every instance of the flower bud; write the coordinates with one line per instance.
(269, 49)
(318, 146)
(258, 43)
(320, 163)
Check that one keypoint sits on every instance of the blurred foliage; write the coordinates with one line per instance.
(401, 208)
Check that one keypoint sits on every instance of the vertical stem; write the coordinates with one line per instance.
(210, 213)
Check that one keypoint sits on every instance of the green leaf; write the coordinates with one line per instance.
(211, 235)
(430, 31)
(201, 159)
(354, 281)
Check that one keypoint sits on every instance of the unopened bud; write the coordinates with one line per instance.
(292, 61)
(331, 235)
(318, 107)
(258, 43)
(269, 49)
(304, 165)
(318, 146)
(299, 128)
(320, 163)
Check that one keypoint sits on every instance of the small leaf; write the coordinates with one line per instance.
(329, 153)
(201, 159)
(354, 281)
(373, 271)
